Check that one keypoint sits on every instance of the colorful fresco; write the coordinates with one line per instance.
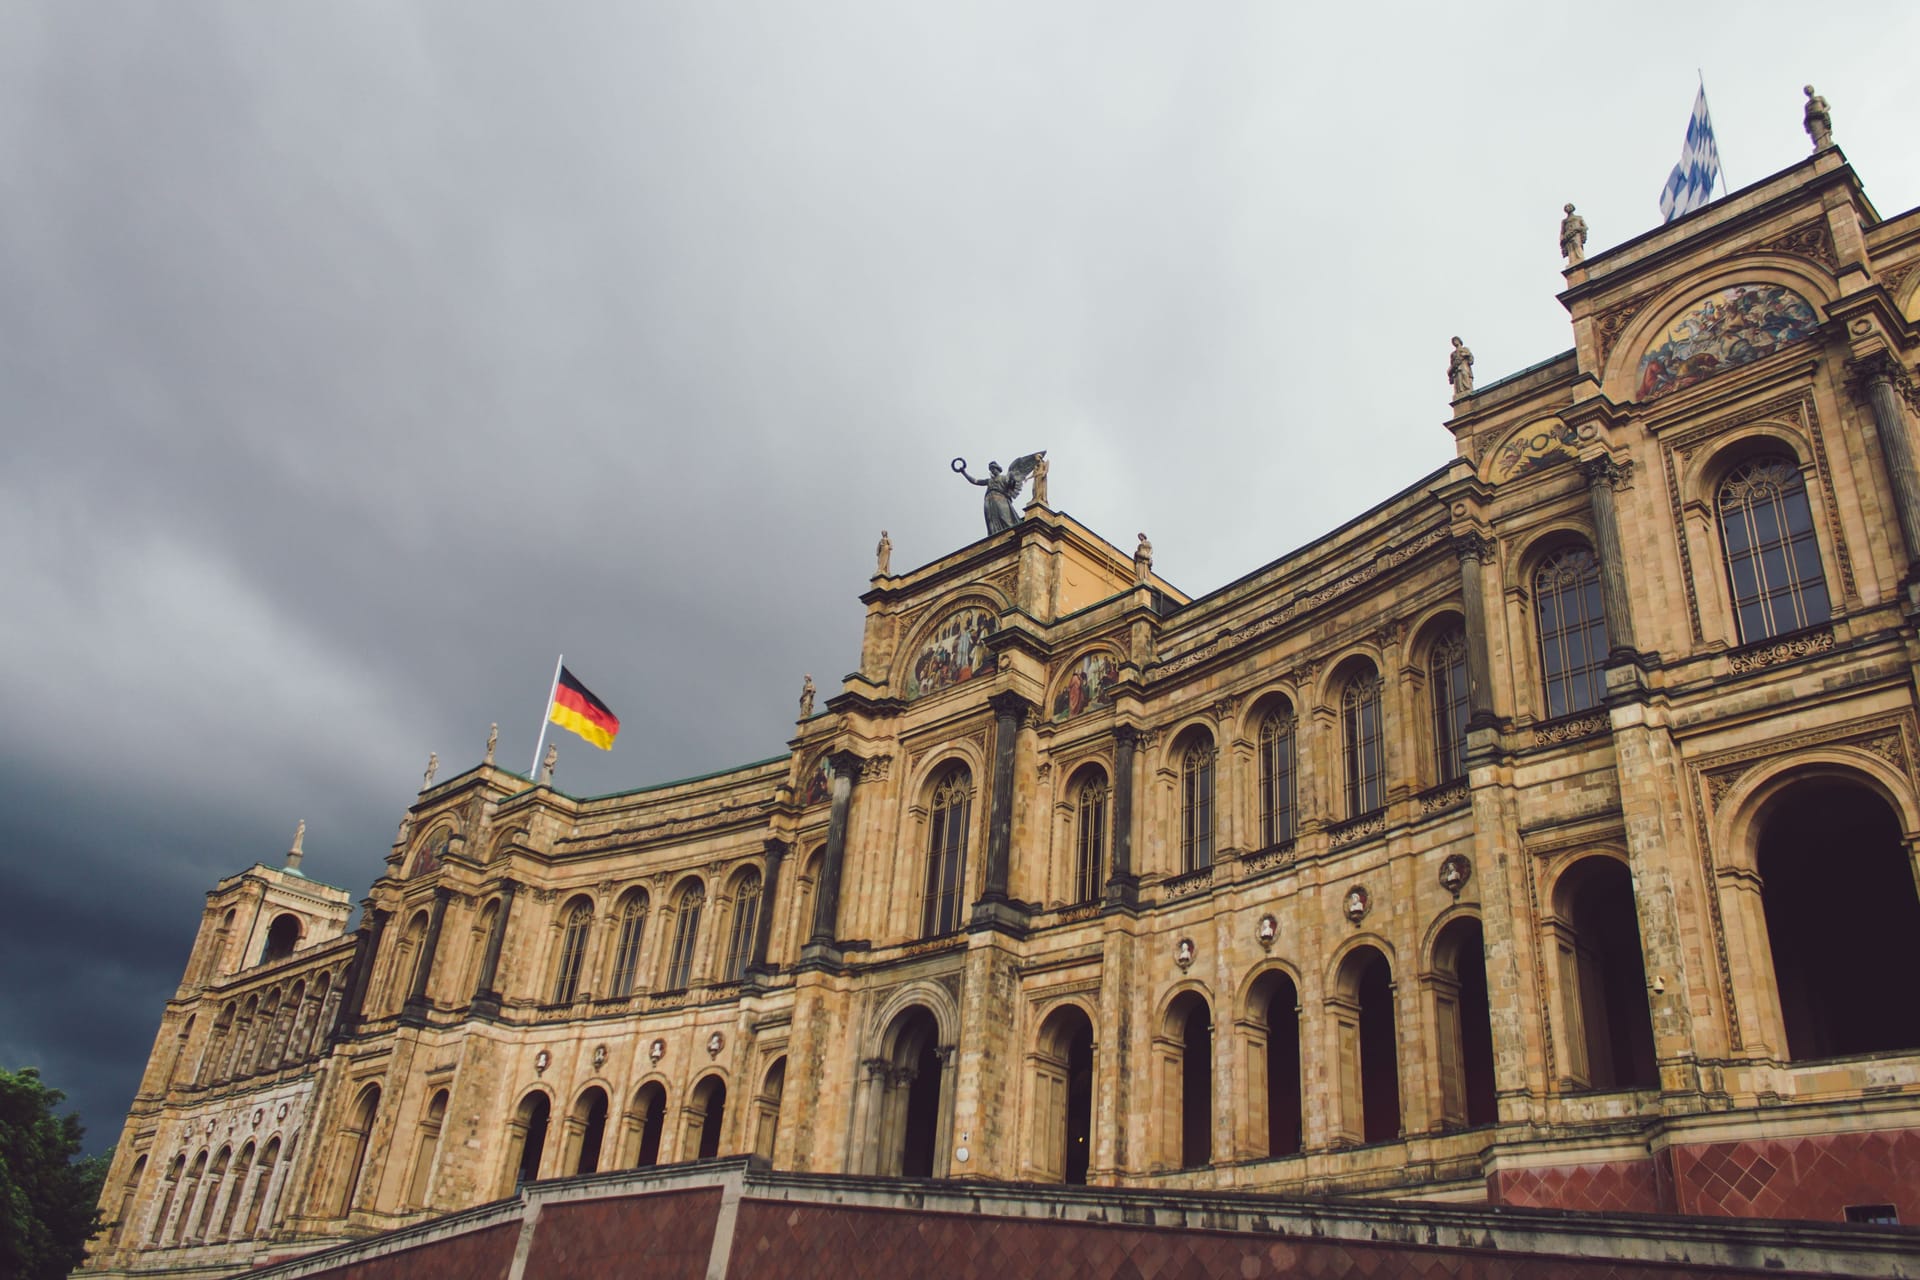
(1723, 331)
(1534, 448)
(820, 785)
(428, 860)
(955, 653)
(1089, 686)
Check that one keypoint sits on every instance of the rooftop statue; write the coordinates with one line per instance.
(1002, 487)
(1460, 369)
(1818, 120)
(1573, 238)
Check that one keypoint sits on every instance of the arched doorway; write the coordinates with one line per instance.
(1603, 979)
(354, 1143)
(1837, 886)
(1272, 1032)
(1063, 1097)
(1185, 1052)
(1464, 1025)
(1367, 1046)
(907, 1102)
(527, 1138)
(706, 1117)
(766, 1127)
(648, 1120)
(586, 1127)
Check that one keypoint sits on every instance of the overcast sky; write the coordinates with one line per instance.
(355, 359)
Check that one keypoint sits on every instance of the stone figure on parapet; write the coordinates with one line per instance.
(1818, 121)
(883, 556)
(1040, 480)
(493, 740)
(1143, 560)
(1002, 487)
(1460, 369)
(1573, 238)
(433, 767)
(806, 699)
(546, 766)
(296, 852)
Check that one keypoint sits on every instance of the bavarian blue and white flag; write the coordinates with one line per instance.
(1691, 184)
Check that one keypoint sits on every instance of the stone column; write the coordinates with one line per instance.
(371, 931)
(1474, 551)
(1876, 376)
(769, 904)
(1122, 883)
(1009, 710)
(429, 947)
(485, 999)
(826, 897)
(1604, 475)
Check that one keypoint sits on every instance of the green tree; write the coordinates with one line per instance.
(48, 1198)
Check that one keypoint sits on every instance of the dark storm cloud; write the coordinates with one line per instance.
(356, 358)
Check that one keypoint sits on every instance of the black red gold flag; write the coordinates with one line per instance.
(576, 709)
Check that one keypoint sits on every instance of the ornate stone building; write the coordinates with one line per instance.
(1543, 836)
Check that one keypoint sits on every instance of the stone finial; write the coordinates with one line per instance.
(546, 766)
(1460, 369)
(295, 853)
(1143, 560)
(806, 699)
(883, 556)
(1818, 120)
(1573, 238)
(493, 740)
(433, 767)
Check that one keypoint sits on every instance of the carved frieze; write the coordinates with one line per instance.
(1365, 828)
(1611, 323)
(1572, 730)
(1809, 240)
(1789, 650)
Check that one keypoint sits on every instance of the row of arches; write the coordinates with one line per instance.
(222, 1195)
(261, 1033)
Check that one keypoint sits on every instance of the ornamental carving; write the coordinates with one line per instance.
(1268, 859)
(1267, 932)
(877, 769)
(1532, 448)
(1549, 735)
(1808, 241)
(1366, 828)
(1455, 871)
(1356, 904)
(1782, 651)
(1186, 886)
(1609, 325)
(1444, 798)
(1183, 954)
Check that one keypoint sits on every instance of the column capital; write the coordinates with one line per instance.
(1866, 371)
(776, 848)
(1603, 469)
(1129, 736)
(1474, 545)
(846, 763)
(1009, 705)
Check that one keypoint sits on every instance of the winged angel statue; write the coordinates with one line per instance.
(1002, 487)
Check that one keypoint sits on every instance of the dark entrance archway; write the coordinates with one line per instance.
(1603, 979)
(906, 1101)
(1465, 1025)
(1842, 919)
(1063, 1096)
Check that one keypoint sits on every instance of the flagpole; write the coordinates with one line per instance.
(533, 770)
(1726, 188)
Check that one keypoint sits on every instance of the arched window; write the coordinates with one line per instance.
(129, 1194)
(746, 918)
(235, 1193)
(262, 1179)
(573, 951)
(1090, 835)
(1773, 559)
(283, 935)
(686, 933)
(1365, 742)
(527, 1138)
(1196, 803)
(1447, 677)
(1277, 786)
(947, 854)
(626, 953)
(1573, 629)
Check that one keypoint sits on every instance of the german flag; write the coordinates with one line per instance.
(574, 707)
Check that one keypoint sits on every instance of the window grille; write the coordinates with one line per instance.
(1277, 785)
(1365, 744)
(1090, 844)
(746, 917)
(1447, 676)
(1773, 558)
(686, 932)
(573, 951)
(1573, 630)
(947, 855)
(1196, 805)
(626, 955)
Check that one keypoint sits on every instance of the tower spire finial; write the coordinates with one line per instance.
(295, 853)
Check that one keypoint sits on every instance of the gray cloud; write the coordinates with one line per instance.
(356, 358)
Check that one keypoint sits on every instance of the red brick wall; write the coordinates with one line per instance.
(1813, 1177)
(486, 1254)
(660, 1236)
(791, 1241)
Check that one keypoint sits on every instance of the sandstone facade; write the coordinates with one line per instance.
(1543, 836)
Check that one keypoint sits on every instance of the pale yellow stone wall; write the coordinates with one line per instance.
(1668, 778)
